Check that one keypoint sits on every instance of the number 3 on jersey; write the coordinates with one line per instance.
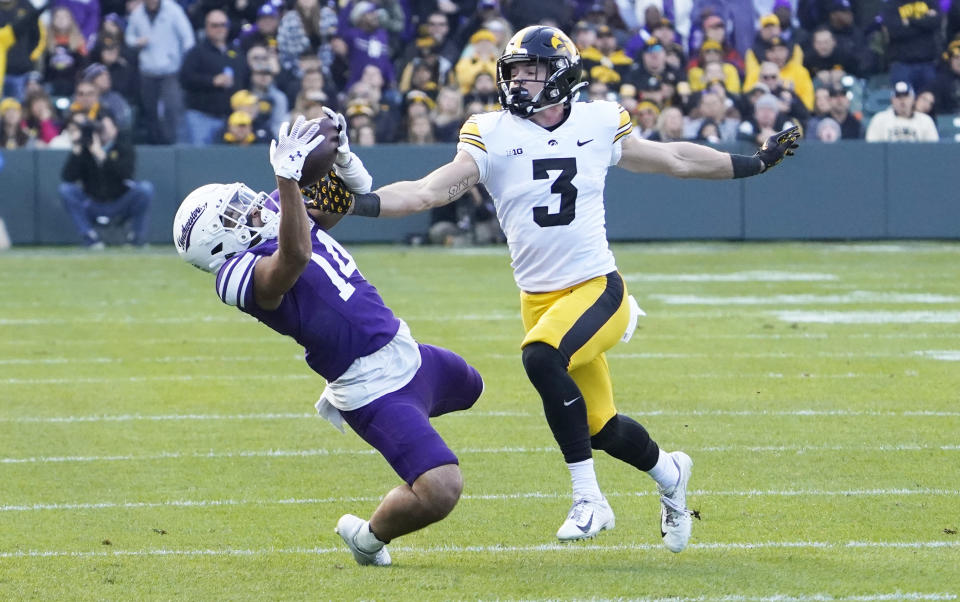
(563, 186)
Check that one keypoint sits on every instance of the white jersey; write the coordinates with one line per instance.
(548, 189)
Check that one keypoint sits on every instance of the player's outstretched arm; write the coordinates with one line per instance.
(276, 274)
(689, 160)
(441, 186)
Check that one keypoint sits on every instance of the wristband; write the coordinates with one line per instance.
(744, 166)
(366, 205)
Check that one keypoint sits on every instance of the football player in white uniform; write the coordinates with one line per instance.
(544, 159)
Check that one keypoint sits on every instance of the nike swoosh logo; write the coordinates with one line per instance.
(567, 403)
(586, 527)
(584, 142)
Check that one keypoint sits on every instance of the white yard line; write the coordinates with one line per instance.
(107, 505)
(307, 453)
(474, 414)
(869, 317)
(852, 297)
(745, 276)
(551, 547)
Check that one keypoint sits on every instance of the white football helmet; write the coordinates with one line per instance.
(216, 221)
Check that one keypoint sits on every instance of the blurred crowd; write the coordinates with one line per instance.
(230, 71)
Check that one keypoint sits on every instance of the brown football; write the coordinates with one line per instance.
(320, 159)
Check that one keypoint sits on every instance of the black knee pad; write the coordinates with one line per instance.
(541, 360)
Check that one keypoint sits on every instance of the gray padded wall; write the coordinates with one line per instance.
(847, 190)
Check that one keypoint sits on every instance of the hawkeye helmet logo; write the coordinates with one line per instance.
(183, 241)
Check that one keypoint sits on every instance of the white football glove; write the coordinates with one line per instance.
(343, 147)
(290, 149)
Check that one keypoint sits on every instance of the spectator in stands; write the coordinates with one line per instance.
(487, 11)
(606, 62)
(827, 130)
(261, 33)
(912, 27)
(12, 132)
(850, 125)
(653, 64)
(39, 119)
(825, 55)
(113, 102)
(161, 32)
(480, 56)
(367, 43)
(97, 187)
(86, 15)
(647, 114)
(18, 45)
(711, 52)
(212, 72)
(300, 31)
(767, 37)
(365, 136)
(86, 100)
(766, 121)
(238, 12)
(946, 86)
(420, 131)
(791, 103)
(901, 123)
(274, 109)
(65, 53)
(484, 90)
(712, 109)
(669, 126)
(448, 116)
(926, 103)
(852, 40)
(675, 55)
(426, 72)
(239, 130)
(436, 27)
(783, 11)
(109, 52)
(715, 29)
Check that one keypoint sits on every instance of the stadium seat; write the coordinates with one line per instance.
(876, 100)
(949, 127)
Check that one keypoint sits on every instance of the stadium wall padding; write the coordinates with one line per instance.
(844, 191)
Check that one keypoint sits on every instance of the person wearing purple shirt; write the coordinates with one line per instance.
(276, 264)
(87, 15)
(368, 44)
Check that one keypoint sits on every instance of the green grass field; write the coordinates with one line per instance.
(156, 444)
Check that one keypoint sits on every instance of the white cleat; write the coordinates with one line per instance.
(675, 518)
(586, 519)
(347, 528)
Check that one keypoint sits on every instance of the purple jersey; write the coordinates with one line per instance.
(331, 310)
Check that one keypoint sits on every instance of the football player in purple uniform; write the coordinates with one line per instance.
(281, 267)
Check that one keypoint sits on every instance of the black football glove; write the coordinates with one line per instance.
(778, 146)
(329, 195)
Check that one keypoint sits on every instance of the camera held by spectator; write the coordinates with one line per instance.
(97, 189)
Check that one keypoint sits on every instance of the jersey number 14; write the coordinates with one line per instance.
(563, 186)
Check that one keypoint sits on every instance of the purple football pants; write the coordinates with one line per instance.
(398, 424)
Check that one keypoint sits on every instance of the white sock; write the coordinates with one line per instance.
(366, 540)
(665, 473)
(584, 480)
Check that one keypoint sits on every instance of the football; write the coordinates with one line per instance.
(320, 159)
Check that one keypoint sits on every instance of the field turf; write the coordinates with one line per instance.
(156, 444)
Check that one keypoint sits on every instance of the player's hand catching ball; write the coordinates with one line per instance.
(292, 145)
(778, 146)
(343, 144)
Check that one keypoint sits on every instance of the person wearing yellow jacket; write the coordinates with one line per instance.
(19, 26)
(792, 73)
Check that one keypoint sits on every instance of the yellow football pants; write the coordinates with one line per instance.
(582, 322)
